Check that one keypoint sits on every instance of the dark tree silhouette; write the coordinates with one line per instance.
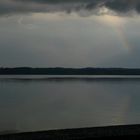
(68, 71)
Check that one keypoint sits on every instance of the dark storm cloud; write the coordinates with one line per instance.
(68, 6)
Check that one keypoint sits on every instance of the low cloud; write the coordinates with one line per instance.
(90, 6)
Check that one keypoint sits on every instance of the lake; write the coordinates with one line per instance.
(32, 103)
(68, 34)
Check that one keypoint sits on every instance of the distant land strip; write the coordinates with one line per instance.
(68, 71)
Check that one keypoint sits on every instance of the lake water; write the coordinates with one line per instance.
(69, 34)
(30, 103)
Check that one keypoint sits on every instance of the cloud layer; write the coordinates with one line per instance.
(53, 40)
(68, 6)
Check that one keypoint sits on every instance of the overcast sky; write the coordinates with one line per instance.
(70, 33)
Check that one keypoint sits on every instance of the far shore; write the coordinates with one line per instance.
(69, 71)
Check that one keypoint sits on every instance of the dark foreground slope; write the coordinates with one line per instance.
(129, 131)
(68, 71)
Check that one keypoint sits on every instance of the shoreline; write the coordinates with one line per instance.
(69, 71)
(118, 131)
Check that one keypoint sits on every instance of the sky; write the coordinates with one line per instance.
(70, 33)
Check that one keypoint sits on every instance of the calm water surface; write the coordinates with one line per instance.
(30, 103)
(69, 34)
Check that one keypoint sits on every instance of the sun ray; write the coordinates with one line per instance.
(117, 24)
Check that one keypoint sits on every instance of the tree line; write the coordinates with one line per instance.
(68, 71)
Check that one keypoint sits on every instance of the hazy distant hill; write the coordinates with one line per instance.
(68, 71)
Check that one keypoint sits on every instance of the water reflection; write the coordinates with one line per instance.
(43, 104)
(55, 31)
(69, 78)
